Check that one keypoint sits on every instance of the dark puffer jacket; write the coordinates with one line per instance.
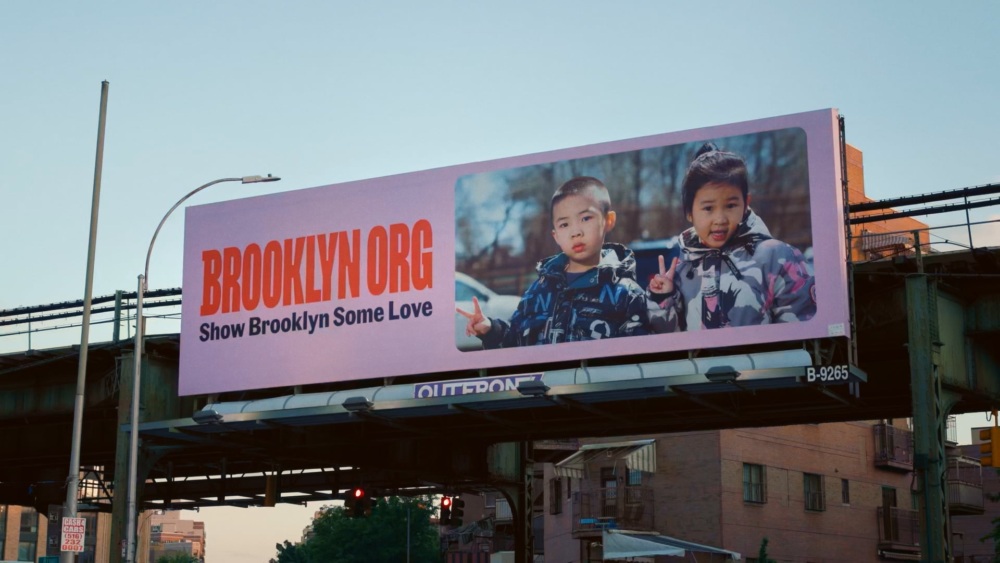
(605, 302)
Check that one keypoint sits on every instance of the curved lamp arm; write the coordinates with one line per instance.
(133, 467)
(243, 179)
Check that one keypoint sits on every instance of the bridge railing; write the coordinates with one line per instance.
(112, 318)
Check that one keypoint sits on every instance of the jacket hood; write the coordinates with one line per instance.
(750, 232)
(617, 261)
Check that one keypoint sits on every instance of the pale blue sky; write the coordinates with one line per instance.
(324, 92)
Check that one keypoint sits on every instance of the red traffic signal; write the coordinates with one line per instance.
(445, 518)
(358, 503)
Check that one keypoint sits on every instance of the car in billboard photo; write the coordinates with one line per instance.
(494, 306)
(647, 256)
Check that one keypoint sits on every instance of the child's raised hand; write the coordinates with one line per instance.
(479, 324)
(663, 282)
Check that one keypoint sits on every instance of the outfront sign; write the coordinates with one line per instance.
(362, 280)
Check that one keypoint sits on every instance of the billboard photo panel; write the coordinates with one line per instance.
(467, 267)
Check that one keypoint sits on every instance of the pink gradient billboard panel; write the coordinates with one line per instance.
(361, 280)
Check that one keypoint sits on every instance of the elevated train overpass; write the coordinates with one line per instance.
(926, 333)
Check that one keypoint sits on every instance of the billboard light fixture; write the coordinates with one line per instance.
(357, 404)
(722, 374)
(534, 388)
(207, 416)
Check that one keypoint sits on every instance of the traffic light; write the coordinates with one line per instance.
(358, 504)
(445, 519)
(457, 511)
(989, 449)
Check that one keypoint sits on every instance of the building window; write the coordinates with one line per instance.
(28, 539)
(754, 483)
(555, 496)
(633, 484)
(609, 492)
(26, 551)
(813, 488)
(845, 491)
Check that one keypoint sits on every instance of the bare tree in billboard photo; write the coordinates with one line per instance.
(698, 271)
(588, 291)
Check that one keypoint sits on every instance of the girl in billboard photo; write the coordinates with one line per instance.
(731, 271)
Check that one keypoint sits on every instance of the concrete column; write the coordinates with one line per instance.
(930, 408)
(119, 504)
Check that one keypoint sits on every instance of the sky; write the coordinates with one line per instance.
(322, 92)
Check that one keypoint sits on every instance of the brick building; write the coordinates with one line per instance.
(27, 535)
(819, 493)
(170, 534)
(879, 239)
(969, 532)
(824, 492)
(22, 533)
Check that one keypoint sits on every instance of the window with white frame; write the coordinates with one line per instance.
(812, 485)
(754, 483)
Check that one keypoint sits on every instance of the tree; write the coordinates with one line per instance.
(378, 538)
(289, 552)
(762, 553)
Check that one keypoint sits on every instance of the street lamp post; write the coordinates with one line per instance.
(133, 454)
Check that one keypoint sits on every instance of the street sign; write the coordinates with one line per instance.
(73, 532)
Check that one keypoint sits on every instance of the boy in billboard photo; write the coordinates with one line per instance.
(731, 271)
(586, 292)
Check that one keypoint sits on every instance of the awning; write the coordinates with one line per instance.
(622, 544)
(873, 241)
(637, 454)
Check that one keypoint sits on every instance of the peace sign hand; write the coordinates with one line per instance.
(663, 282)
(479, 324)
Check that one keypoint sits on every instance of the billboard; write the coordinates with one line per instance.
(722, 236)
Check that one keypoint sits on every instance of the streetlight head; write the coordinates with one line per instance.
(259, 179)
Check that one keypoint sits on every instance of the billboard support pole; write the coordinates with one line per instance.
(852, 346)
